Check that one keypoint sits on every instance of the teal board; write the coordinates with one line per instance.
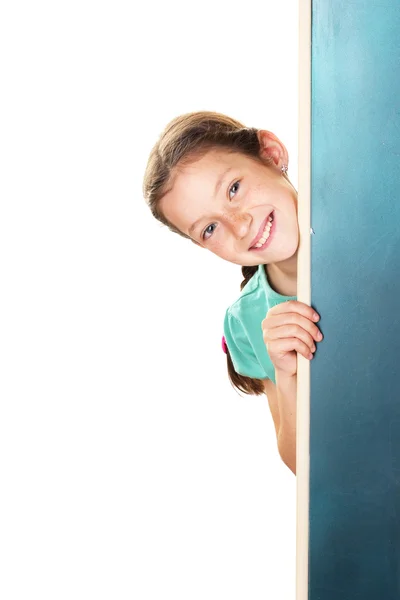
(354, 518)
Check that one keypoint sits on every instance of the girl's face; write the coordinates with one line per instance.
(223, 201)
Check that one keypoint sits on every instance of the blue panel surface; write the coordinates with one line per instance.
(354, 550)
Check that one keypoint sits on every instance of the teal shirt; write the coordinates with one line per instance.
(242, 327)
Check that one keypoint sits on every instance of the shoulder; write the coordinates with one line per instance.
(247, 312)
(252, 295)
(242, 329)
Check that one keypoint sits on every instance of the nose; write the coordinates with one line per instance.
(240, 224)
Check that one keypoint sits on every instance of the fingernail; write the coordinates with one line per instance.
(315, 317)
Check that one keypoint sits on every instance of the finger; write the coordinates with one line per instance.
(290, 331)
(282, 346)
(275, 321)
(295, 306)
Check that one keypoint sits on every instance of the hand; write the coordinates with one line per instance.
(289, 327)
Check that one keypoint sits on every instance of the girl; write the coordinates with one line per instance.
(225, 187)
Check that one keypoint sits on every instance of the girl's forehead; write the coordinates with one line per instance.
(210, 165)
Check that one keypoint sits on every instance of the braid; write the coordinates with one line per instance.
(247, 385)
(248, 273)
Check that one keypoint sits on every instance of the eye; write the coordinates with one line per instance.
(234, 187)
(207, 233)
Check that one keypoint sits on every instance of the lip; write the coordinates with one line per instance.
(260, 232)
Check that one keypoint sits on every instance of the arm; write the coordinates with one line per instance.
(282, 404)
(288, 328)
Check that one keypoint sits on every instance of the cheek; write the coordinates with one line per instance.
(221, 248)
(217, 246)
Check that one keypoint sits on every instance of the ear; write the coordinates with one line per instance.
(272, 149)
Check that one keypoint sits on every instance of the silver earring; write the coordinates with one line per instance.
(284, 169)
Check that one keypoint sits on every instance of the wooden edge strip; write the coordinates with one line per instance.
(303, 295)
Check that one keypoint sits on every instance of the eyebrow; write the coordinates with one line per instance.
(216, 190)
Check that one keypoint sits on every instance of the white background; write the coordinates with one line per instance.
(130, 468)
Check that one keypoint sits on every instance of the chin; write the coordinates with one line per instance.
(249, 262)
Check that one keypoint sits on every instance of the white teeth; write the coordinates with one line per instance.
(265, 234)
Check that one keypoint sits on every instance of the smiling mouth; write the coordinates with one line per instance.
(260, 242)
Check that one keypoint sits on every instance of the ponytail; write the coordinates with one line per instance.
(244, 384)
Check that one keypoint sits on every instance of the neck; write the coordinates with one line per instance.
(282, 276)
